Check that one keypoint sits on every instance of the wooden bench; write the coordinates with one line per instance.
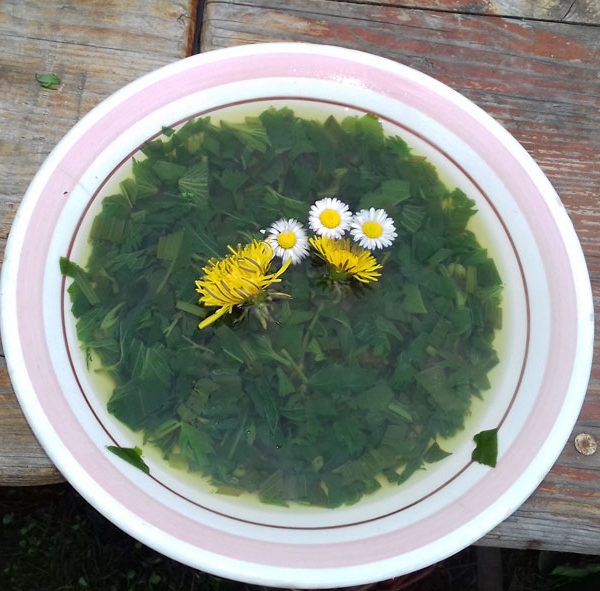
(534, 66)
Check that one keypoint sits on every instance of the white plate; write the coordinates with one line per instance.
(539, 385)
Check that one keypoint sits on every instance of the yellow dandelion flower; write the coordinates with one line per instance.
(237, 279)
(347, 259)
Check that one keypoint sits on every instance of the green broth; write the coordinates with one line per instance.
(347, 387)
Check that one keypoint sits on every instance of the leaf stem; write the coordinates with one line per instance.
(295, 366)
(311, 325)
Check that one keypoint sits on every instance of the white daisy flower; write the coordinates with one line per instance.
(329, 217)
(373, 228)
(288, 240)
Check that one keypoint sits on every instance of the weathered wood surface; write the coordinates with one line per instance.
(541, 79)
(571, 11)
(96, 48)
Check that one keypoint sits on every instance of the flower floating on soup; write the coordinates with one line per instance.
(335, 350)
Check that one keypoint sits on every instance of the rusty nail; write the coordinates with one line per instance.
(585, 444)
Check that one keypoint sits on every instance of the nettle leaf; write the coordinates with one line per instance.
(168, 172)
(280, 204)
(49, 81)
(390, 194)
(434, 380)
(81, 281)
(131, 455)
(486, 448)
(169, 246)
(251, 134)
(232, 179)
(435, 453)
(412, 217)
(146, 181)
(345, 385)
(413, 300)
(194, 183)
(196, 445)
(340, 377)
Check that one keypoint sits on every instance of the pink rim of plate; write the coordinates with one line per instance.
(87, 467)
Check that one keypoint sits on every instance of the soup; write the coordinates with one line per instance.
(324, 381)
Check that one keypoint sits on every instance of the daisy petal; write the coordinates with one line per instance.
(288, 240)
(329, 217)
(373, 228)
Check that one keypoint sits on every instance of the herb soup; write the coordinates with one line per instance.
(287, 360)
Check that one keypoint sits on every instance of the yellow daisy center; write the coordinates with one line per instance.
(287, 240)
(372, 229)
(330, 218)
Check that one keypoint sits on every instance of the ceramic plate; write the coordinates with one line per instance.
(545, 345)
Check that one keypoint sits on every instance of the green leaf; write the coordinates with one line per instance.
(435, 382)
(194, 183)
(283, 205)
(129, 190)
(376, 398)
(390, 194)
(112, 317)
(232, 179)
(108, 227)
(315, 348)
(168, 172)
(486, 447)
(285, 385)
(195, 445)
(401, 411)
(251, 134)
(413, 300)
(336, 378)
(169, 246)
(435, 453)
(80, 277)
(237, 349)
(132, 455)
(412, 217)
(458, 209)
(69, 268)
(191, 309)
(388, 327)
(49, 81)
(146, 181)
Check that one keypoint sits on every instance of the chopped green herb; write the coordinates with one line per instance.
(348, 387)
(486, 447)
(132, 455)
(435, 453)
(49, 81)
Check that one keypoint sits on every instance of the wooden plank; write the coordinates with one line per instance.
(572, 11)
(95, 48)
(540, 79)
(22, 460)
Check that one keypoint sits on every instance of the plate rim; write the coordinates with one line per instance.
(50, 439)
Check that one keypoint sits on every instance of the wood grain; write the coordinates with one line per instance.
(22, 460)
(95, 48)
(541, 80)
(572, 11)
